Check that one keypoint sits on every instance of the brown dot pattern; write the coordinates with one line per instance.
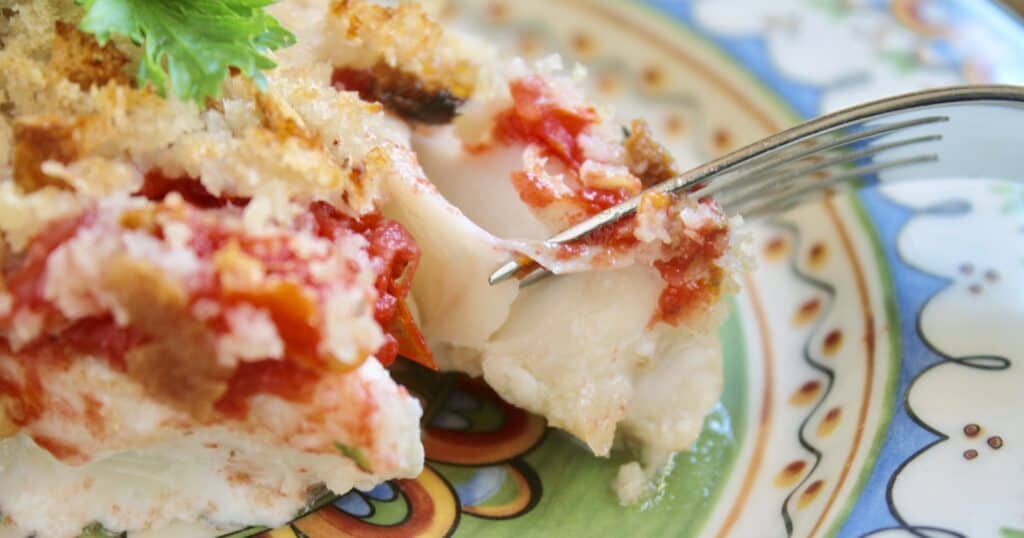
(806, 394)
(970, 454)
(528, 45)
(675, 124)
(810, 494)
(829, 423)
(790, 474)
(653, 76)
(995, 442)
(582, 44)
(607, 83)
(972, 430)
(833, 341)
(818, 255)
(776, 248)
(721, 140)
(497, 11)
(807, 312)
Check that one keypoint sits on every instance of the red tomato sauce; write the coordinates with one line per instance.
(291, 304)
(26, 284)
(98, 337)
(283, 378)
(361, 81)
(394, 254)
(692, 279)
(536, 117)
(156, 186)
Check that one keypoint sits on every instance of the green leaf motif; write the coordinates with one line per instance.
(835, 8)
(191, 44)
(901, 60)
(1012, 197)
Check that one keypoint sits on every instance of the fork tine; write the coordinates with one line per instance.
(720, 179)
(798, 191)
(786, 200)
(773, 153)
(534, 277)
(773, 183)
(750, 167)
(509, 269)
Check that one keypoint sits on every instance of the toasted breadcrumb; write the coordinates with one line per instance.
(79, 141)
(404, 37)
(78, 57)
(647, 159)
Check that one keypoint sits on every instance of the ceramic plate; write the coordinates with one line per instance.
(872, 384)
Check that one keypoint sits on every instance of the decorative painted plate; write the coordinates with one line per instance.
(874, 362)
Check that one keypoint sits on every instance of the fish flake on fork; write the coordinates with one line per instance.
(784, 170)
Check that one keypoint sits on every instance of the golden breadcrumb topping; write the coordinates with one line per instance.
(71, 119)
(405, 38)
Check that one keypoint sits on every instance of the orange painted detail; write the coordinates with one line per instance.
(830, 422)
(818, 255)
(432, 512)
(806, 394)
(910, 13)
(790, 474)
(522, 501)
(810, 494)
(833, 341)
(765, 406)
(519, 432)
(807, 312)
(869, 363)
(776, 248)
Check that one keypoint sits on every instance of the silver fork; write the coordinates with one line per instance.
(958, 131)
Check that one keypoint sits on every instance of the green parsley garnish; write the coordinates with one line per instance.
(95, 530)
(192, 43)
(355, 454)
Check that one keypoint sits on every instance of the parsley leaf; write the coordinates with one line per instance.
(192, 43)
